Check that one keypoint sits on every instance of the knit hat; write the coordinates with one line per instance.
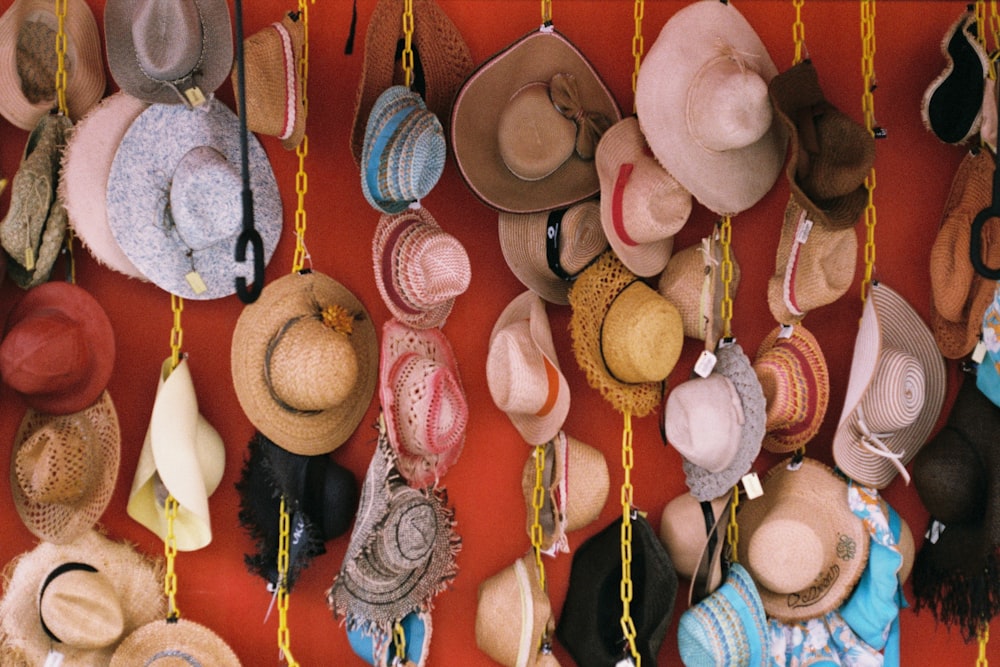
(174, 641)
(513, 614)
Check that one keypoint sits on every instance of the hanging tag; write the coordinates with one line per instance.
(979, 353)
(786, 331)
(195, 281)
(53, 659)
(29, 258)
(751, 484)
(625, 662)
(934, 531)
(194, 96)
(705, 363)
(273, 590)
(802, 233)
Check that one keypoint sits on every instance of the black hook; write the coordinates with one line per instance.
(250, 236)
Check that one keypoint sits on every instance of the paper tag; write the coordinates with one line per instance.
(934, 531)
(29, 258)
(751, 484)
(705, 363)
(53, 659)
(979, 353)
(195, 281)
(802, 233)
(625, 662)
(194, 96)
(786, 331)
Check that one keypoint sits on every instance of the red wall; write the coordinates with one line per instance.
(914, 172)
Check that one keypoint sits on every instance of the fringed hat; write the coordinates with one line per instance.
(175, 641)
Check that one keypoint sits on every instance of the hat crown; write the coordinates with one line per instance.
(786, 551)
(517, 372)
(168, 38)
(703, 420)
(43, 353)
(410, 532)
(81, 608)
(728, 106)
(54, 465)
(439, 270)
(641, 335)
(205, 201)
(533, 137)
(311, 366)
(896, 395)
(432, 407)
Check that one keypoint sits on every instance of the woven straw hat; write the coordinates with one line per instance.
(522, 370)
(796, 382)
(28, 61)
(166, 51)
(64, 468)
(58, 348)
(182, 456)
(541, 85)
(420, 269)
(894, 392)
(547, 251)
(379, 650)
(642, 205)
(305, 362)
(90, 593)
(686, 529)
(952, 105)
(513, 614)
(701, 97)
(801, 542)
(180, 642)
(423, 401)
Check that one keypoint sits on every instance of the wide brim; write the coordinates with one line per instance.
(281, 300)
(512, 613)
(178, 640)
(478, 105)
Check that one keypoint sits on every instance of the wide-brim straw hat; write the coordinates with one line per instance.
(514, 86)
(952, 105)
(702, 101)
(513, 614)
(801, 542)
(27, 79)
(894, 393)
(179, 641)
(289, 391)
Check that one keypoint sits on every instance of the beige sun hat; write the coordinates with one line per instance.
(180, 642)
(686, 528)
(513, 615)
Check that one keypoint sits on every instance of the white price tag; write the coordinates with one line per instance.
(751, 484)
(705, 364)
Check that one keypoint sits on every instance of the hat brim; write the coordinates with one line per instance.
(181, 639)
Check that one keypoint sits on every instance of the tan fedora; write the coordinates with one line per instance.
(513, 614)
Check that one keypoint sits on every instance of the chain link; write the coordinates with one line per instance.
(300, 255)
(733, 528)
(176, 332)
(399, 642)
(408, 42)
(984, 639)
(638, 45)
(798, 32)
(537, 500)
(868, 108)
(726, 308)
(628, 459)
(284, 636)
(994, 31)
(170, 551)
(546, 12)
(61, 57)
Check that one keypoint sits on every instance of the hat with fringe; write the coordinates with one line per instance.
(174, 641)
(513, 615)
(380, 651)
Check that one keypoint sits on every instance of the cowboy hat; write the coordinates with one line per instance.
(513, 615)
(179, 640)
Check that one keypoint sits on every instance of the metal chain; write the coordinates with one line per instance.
(537, 500)
(176, 332)
(638, 45)
(399, 642)
(302, 150)
(995, 31)
(170, 551)
(726, 308)
(868, 108)
(798, 32)
(284, 636)
(628, 460)
(984, 639)
(61, 57)
(546, 12)
(408, 42)
(733, 528)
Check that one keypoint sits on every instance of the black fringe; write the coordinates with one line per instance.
(957, 598)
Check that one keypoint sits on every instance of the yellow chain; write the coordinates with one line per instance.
(984, 639)
(176, 333)
(61, 57)
(725, 240)
(628, 459)
(868, 108)
(798, 31)
(638, 45)
(537, 500)
(408, 42)
(170, 551)
(546, 12)
(284, 636)
(399, 641)
(733, 528)
(301, 178)
(995, 31)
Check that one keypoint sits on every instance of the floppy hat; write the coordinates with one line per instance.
(168, 51)
(547, 251)
(540, 85)
(182, 456)
(174, 198)
(305, 362)
(64, 468)
(894, 392)
(381, 651)
(522, 370)
(642, 205)
(28, 61)
(796, 382)
(420, 269)
(58, 348)
(90, 593)
(178, 641)
(687, 529)
(701, 97)
(423, 401)
(801, 542)
(513, 614)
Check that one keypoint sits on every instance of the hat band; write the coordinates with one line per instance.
(271, 345)
(373, 171)
(527, 613)
(873, 443)
(62, 569)
(174, 653)
(811, 402)
(552, 378)
(617, 195)
(291, 75)
(388, 275)
(801, 235)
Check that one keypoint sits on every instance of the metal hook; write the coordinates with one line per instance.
(250, 236)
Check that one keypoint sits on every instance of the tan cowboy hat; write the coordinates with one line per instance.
(177, 641)
(513, 614)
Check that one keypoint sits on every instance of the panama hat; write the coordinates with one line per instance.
(305, 362)
(58, 348)
(79, 599)
(168, 51)
(642, 205)
(174, 641)
(182, 456)
(174, 198)
(420, 269)
(64, 468)
(28, 61)
(380, 650)
(894, 392)
(546, 251)
(702, 101)
(513, 615)
(689, 531)
(540, 85)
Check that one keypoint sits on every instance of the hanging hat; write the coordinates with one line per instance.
(894, 392)
(801, 542)
(796, 382)
(539, 86)
(642, 205)
(547, 251)
(178, 641)
(420, 269)
(522, 370)
(58, 348)
(33, 229)
(63, 469)
(423, 401)
(702, 102)
(513, 614)
(380, 651)
(988, 371)
(626, 337)
(305, 362)
(28, 52)
(83, 178)
(182, 456)
(831, 154)
(169, 51)
(80, 599)
(174, 198)
(688, 531)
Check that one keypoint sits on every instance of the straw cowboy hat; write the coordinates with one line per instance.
(539, 86)
(702, 101)
(305, 362)
(180, 640)
(380, 650)
(513, 615)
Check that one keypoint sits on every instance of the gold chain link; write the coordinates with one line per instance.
(994, 30)
(868, 108)
(284, 636)
(537, 500)
(399, 641)
(176, 332)
(733, 528)
(61, 57)
(302, 150)
(408, 42)
(798, 32)
(984, 639)
(170, 551)
(726, 308)
(638, 45)
(628, 460)
(546, 12)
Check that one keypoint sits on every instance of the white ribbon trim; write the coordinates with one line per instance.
(873, 443)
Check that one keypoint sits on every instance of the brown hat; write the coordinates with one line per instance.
(177, 641)
(513, 614)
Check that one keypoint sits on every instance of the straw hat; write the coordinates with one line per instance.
(89, 593)
(642, 205)
(420, 269)
(688, 530)
(522, 370)
(171, 52)
(894, 392)
(305, 362)
(801, 542)
(176, 642)
(952, 105)
(539, 86)
(28, 61)
(58, 348)
(703, 105)
(423, 401)
(183, 456)
(796, 382)
(174, 198)
(380, 650)
(513, 614)
(64, 468)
